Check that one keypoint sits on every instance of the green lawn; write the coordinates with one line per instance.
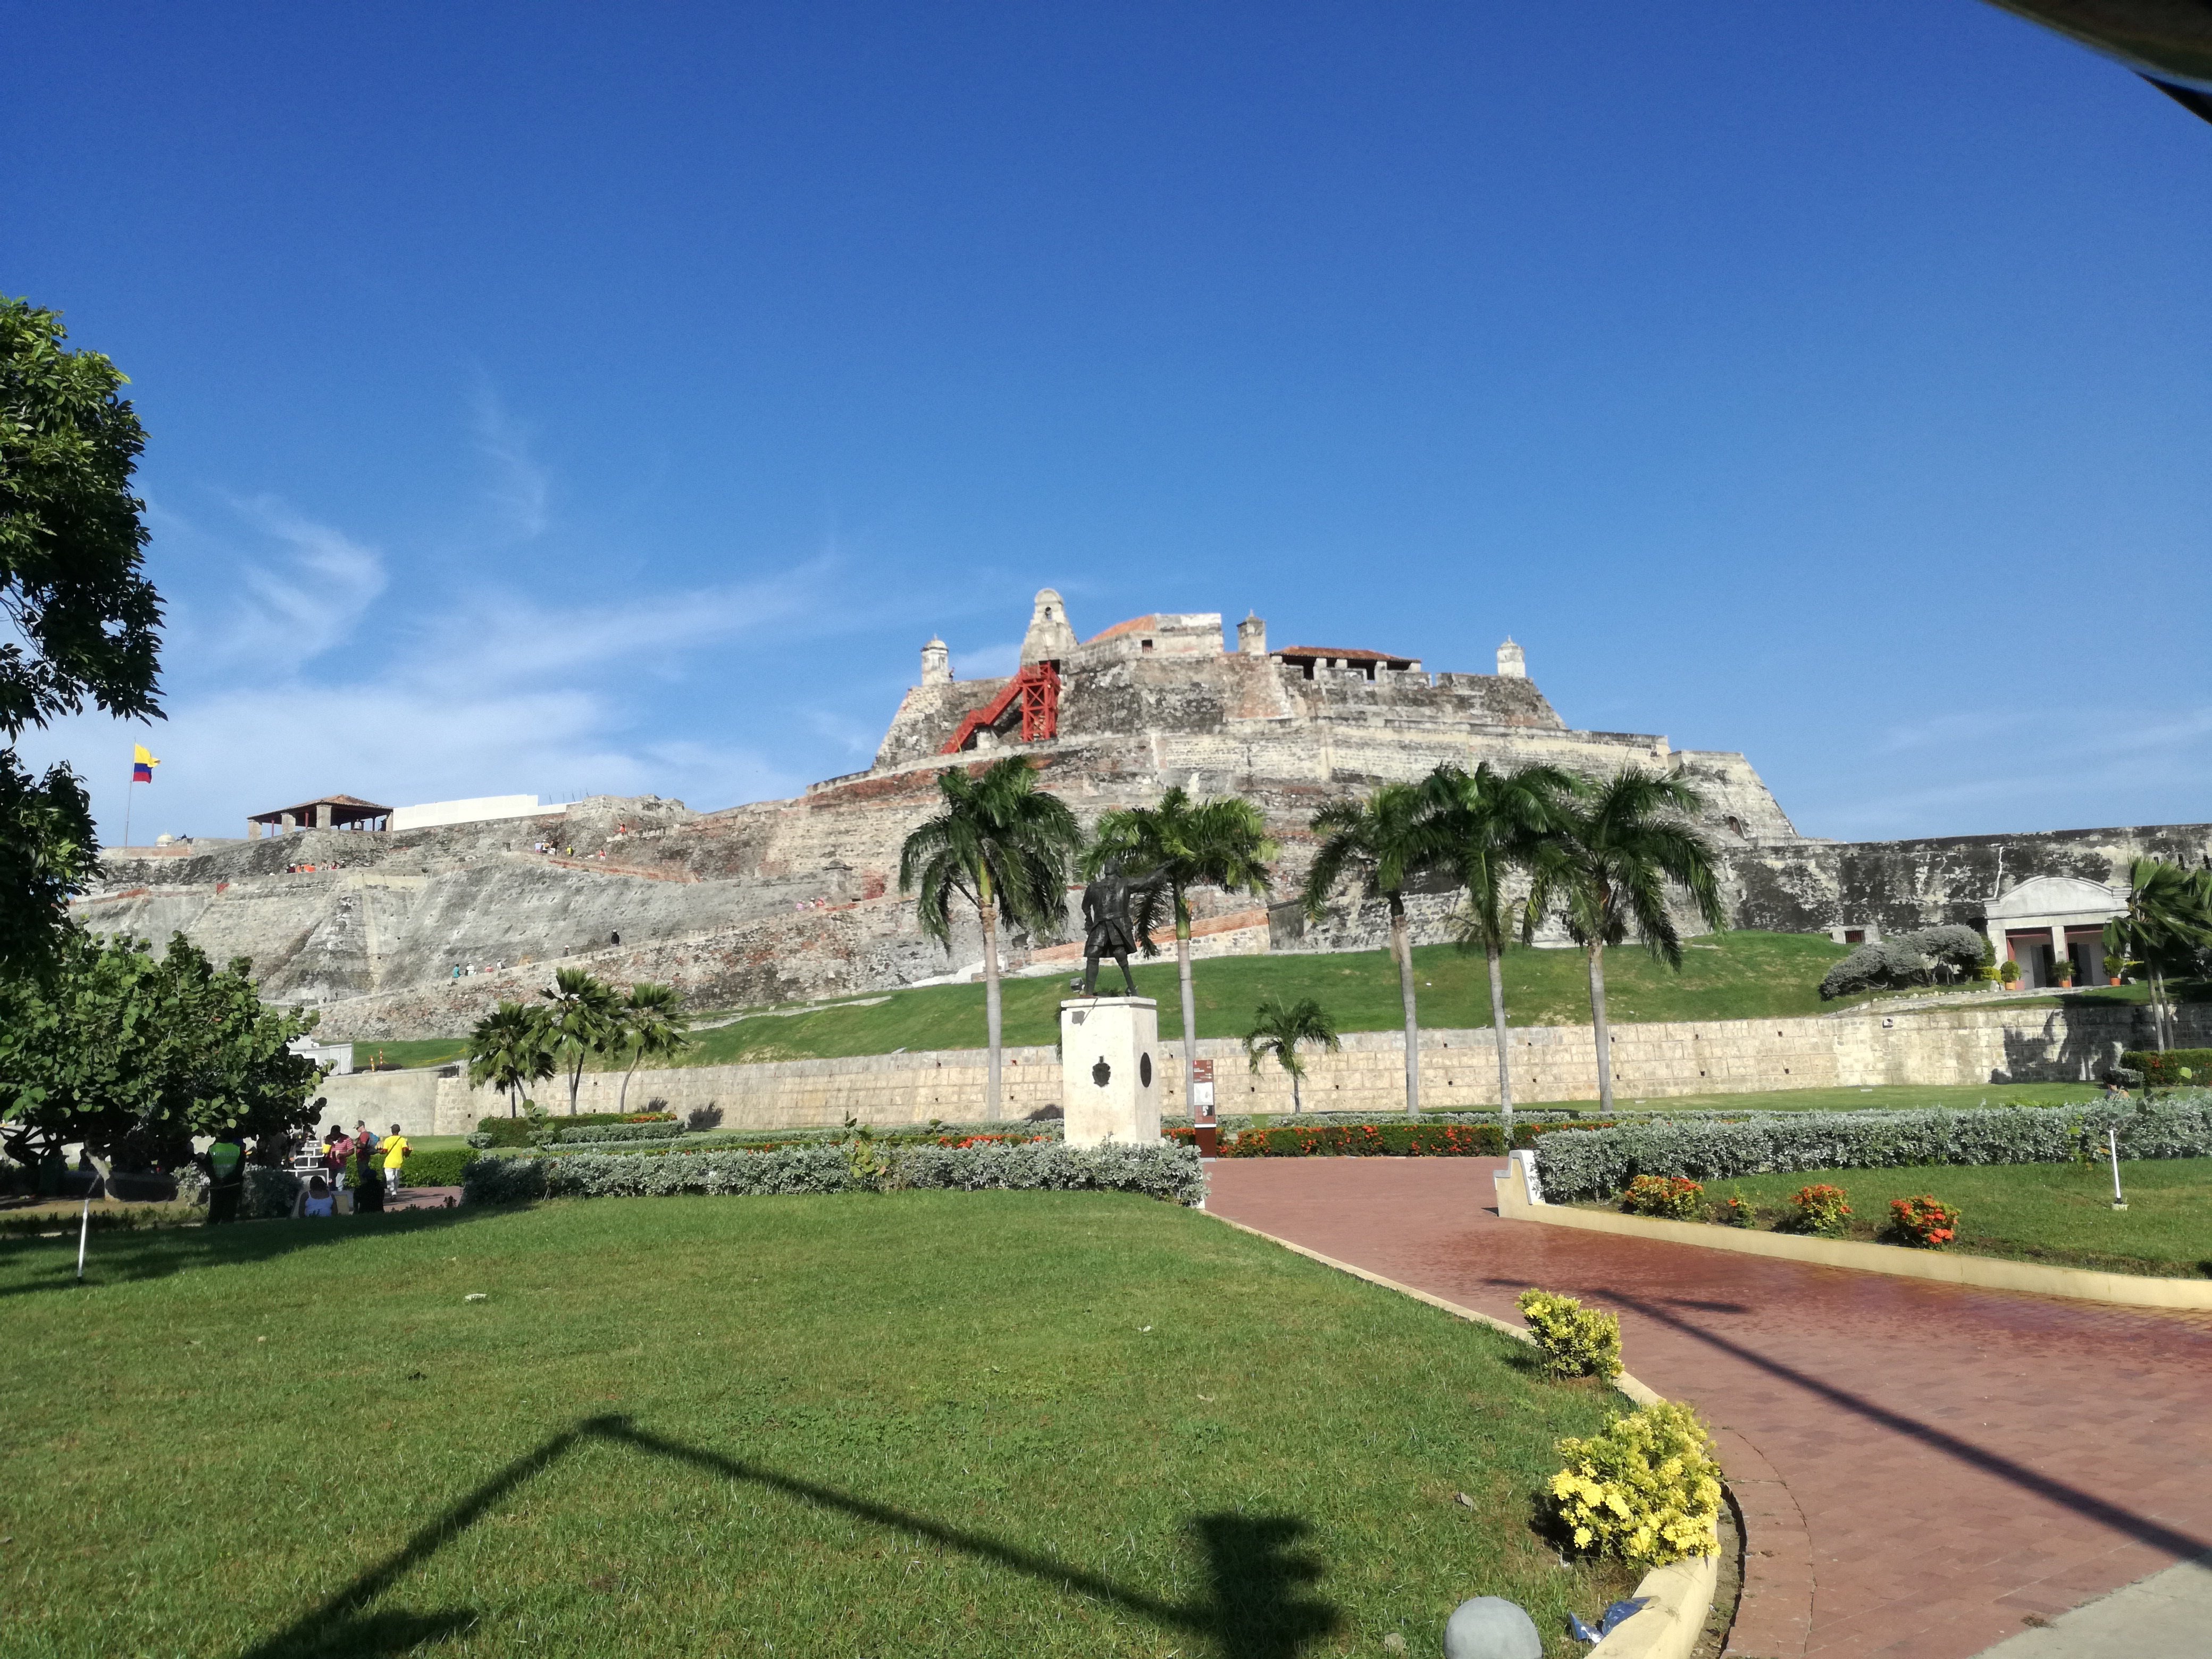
(385, 1055)
(929, 1423)
(1889, 1097)
(1739, 976)
(2056, 1212)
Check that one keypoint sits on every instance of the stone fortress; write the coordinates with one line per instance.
(792, 899)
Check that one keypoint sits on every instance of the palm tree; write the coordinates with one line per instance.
(1184, 844)
(653, 1026)
(1388, 838)
(584, 1020)
(508, 1049)
(1000, 842)
(1278, 1028)
(1490, 821)
(2167, 921)
(1608, 858)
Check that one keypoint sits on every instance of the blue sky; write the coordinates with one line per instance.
(576, 399)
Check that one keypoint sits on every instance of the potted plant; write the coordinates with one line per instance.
(2062, 973)
(2008, 972)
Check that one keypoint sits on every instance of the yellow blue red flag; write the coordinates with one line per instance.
(142, 764)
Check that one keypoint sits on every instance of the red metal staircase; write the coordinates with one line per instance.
(1038, 687)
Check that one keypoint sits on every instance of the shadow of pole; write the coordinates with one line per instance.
(2085, 1504)
(1260, 1606)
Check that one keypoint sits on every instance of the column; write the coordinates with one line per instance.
(1109, 1086)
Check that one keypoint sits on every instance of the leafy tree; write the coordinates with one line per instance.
(1387, 839)
(1608, 859)
(1278, 1028)
(510, 1049)
(85, 622)
(1184, 844)
(1000, 842)
(655, 1024)
(585, 1020)
(2166, 924)
(1491, 822)
(134, 1054)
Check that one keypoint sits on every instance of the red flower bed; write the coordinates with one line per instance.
(1924, 1221)
(1382, 1139)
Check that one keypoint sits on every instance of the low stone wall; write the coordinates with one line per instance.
(1459, 1070)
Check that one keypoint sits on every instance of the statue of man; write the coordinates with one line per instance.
(1107, 929)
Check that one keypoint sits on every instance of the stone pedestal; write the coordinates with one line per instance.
(1109, 1068)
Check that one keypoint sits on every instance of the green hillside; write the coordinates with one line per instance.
(1738, 976)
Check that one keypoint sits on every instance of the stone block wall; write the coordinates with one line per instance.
(1962, 1045)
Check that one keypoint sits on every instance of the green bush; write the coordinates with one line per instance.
(1165, 1172)
(1582, 1162)
(1574, 1341)
(1380, 1140)
(442, 1169)
(1821, 1209)
(2171, 1068)
(602, 1133)
(1647, 1491)
(524, 1129)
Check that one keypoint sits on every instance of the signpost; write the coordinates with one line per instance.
(1206, 1132)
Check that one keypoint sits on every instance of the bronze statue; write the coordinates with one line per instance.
(1107, 929)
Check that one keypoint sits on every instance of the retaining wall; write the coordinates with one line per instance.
(1459, 1070)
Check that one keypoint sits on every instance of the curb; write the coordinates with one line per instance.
(1681, 1594)
(1978, 1271)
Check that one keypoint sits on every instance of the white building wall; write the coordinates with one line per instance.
(469, 812)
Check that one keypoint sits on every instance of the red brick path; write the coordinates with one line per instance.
(1921, 1467)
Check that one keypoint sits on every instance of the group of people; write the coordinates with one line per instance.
(376, 1163)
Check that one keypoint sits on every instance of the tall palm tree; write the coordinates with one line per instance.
(508, 1049)
(1000, 842)
(1608, 858)
(1387, 839)
(654, 1024)
(1278, 1028)
(2167, 921)
(1184, 843)
(1489, 822)
(584, 1021)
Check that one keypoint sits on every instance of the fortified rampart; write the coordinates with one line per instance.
(1963, 1045)
(780, 901)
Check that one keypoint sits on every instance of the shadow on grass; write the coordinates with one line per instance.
(122, 1257)
(1261, 1604)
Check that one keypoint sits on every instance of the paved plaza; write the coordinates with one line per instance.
(1925, 1470)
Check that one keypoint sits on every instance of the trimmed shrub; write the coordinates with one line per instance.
(2171, 1068)
(1924, 1221)
(1916, 958)
(1581, 1163)
(1381, 1140)
(1672, 1198)
(523, 1130)
(661, 1128)
(443, 1168)
(1646, 1491)
(1574, 1341)
(1821, 1209)
(1166, 1172)
(1736, 1213)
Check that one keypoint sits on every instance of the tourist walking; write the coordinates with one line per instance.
(226, 1162)
(368, 1171)
(395, 1149)
(335, 1148)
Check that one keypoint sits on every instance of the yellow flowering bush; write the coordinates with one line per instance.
(1575, 1341)
(1646, 1491)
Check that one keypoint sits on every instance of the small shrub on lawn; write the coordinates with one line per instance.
(268, 1194)
(1735, 1212)
(1924, 1221)
(1821, 1209)
(440, 1169)
(1647, 1491)
(1672, 1198)
(1574, 1341)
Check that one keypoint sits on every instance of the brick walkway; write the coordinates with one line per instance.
(1923, 1468)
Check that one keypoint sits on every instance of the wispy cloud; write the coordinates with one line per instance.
(519, 489)
(304, 585)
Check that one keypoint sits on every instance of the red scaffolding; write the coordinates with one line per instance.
(1038, 687)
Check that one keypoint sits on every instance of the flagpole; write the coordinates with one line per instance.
(129, 794)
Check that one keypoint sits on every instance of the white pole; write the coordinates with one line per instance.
(129, 794)
(2112, 1141)
(84, 1228)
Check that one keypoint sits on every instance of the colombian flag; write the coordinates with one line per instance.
(142, 764)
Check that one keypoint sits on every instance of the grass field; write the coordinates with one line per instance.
(2055, 1212)
(929, 1424)
(1889, 1097)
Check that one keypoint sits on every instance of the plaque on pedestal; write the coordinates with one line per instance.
(1110, 1060)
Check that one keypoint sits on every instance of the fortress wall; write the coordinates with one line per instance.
(1459, 1070)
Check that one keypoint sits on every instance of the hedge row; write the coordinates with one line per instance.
(1377, 1139)
(500, 1130)
(1165, 1172)
(2171, 1068)
(1593, 1163)
(659, 1129)
(440, 1168)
